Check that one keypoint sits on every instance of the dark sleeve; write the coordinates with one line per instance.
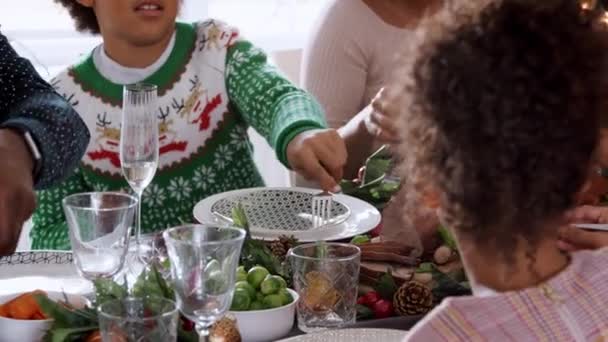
(28, 103)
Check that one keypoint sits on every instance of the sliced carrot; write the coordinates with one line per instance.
(3, 311)
(23, 307)
(39, 316)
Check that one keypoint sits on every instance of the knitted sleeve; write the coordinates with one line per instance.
(50, 229)
(29, 103)
(270, 103)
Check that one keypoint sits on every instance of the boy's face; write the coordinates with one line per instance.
(138, 22)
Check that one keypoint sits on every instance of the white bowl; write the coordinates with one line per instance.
(13, 330)
(267, 325)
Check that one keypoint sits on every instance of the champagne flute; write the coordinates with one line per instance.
(139, 146)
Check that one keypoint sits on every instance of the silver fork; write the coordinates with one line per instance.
(321, 208)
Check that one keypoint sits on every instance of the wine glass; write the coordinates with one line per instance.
(204, 259)
(139, 145)
(99, 226)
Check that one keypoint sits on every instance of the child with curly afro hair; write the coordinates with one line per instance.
(501, 114)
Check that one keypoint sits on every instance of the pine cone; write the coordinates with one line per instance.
(281, 246)
(413, 298)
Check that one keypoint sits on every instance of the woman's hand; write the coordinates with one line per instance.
(573, 239)
(382, 120)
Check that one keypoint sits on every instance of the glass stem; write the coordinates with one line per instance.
(203, 332)
(138, 222)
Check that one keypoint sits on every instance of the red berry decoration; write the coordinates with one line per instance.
(371, 298)
(383, 309)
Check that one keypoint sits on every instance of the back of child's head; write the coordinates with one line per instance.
(501, 113)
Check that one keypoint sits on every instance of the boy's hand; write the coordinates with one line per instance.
(17, 198)
(318, 155)
(572, 238)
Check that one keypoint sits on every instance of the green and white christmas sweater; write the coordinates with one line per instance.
(213, 86)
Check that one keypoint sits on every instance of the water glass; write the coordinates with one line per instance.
(326, 277)
(148, 319)
(99, 227)
(204, 259)
(139, 145)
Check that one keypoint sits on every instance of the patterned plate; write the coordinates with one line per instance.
(47, 270)
(274, 209)
(352, 335)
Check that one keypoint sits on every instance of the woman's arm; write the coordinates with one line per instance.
(334, 70)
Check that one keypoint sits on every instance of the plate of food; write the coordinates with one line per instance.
(23, 318)
(275, 212)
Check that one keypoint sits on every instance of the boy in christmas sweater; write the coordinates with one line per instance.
(212, 85)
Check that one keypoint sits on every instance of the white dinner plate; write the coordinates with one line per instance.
(362, 217)
(46, 270)
(351, 335)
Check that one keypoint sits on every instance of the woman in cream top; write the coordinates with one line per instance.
(349, 59)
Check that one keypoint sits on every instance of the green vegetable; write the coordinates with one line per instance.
(63, 316)
(69, 334)
(271, 285)
(282, 281)
(76, 324)
(256, 252)
(386, 286)
(360, 239)
(240, 300)
(256, 276)
(447, 238)
(216, 283)
(259, 297)
(273, 301)
(245, 285)
(286, 297)
(151, 283)
(107, 290)
(241, 274)
(375, 186)
(256, 306)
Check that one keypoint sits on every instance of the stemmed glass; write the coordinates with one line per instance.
(139, 145)
(99, 226)
(204, 259)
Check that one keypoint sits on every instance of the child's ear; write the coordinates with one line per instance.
(86, 3)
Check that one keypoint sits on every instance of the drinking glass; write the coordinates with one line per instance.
(148, 319)
(139, 145)
(99, 226)
(204, 259)
(326, 277)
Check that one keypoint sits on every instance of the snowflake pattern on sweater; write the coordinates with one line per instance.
(211, 89)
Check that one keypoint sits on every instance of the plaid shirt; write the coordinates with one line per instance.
(570, 307)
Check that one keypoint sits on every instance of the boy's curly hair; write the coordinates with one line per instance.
(84, 17)
(501, 103)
